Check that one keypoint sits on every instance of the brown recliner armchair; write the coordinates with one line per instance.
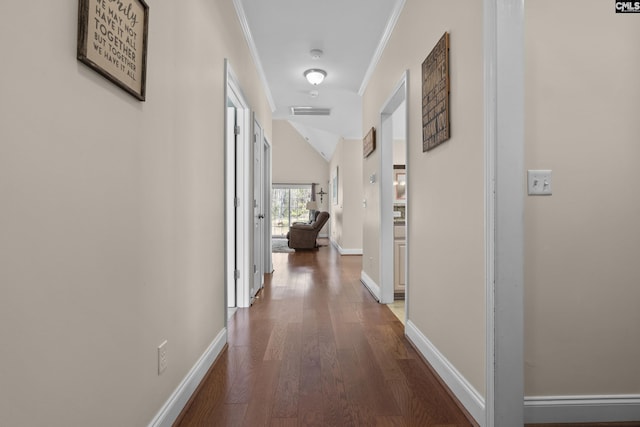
(303, 236)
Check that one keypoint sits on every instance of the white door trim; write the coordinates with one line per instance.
(268, 261)
(257, 197)
(240, 164)
(385, 179)
(581, 409)
(229, 197)
(504, 210)
(490, 84)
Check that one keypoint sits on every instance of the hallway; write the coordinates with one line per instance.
(317, 350)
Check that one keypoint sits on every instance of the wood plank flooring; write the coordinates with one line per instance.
(316, 349)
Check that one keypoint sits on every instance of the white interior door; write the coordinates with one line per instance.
(258, 211)
(238, 195)
(266, 206)
(231, 209)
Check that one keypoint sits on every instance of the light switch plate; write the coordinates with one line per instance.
(539, 182)
(162, 357)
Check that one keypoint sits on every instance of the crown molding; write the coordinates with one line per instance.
(391, 24)
(254, 51)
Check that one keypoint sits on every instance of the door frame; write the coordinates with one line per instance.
(238, 222)
(268, 260)
(503, 40)
(257, 237)
(231, 292)
(385, 137)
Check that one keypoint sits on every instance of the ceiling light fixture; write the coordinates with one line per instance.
(315, 76)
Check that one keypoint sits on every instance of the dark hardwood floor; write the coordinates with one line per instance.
(316, 349)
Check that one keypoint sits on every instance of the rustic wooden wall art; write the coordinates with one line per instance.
(369, 143)
(436, 128)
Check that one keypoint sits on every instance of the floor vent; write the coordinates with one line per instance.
(310, 111)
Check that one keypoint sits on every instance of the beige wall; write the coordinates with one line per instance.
(346, 216)
(582, 244)
(371, 215)
(446, 247)
(111, 225)
(296, 162)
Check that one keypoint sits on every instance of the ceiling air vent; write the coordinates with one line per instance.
(310, 111)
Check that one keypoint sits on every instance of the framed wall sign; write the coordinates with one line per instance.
(369, 143)
(112, 40)
(435, 96)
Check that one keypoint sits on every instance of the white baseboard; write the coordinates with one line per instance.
(370, 284)
(181, 395)
(464, 391)
(350, 251)
(581, 409)
(343, 251)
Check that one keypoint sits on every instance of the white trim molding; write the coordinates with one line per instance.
(373, 287)
(490, 35)
(391, 24)
(504, 210)
(244, 23)
(582, 409)
(238, 219)
(349, 251)
(457, 383)
(344, 251)
(181, 395)
(385, 133)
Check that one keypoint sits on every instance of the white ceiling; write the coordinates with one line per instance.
(352, 34)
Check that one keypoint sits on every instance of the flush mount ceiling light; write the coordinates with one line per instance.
(315, 76)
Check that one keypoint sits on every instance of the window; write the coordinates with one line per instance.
(288, 205)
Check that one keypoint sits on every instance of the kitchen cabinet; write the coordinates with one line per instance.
(399, 259)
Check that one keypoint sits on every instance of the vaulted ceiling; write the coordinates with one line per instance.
(351, 35)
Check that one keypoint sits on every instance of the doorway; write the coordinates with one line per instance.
(394, 185)
(238, 210)
(266, 229)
